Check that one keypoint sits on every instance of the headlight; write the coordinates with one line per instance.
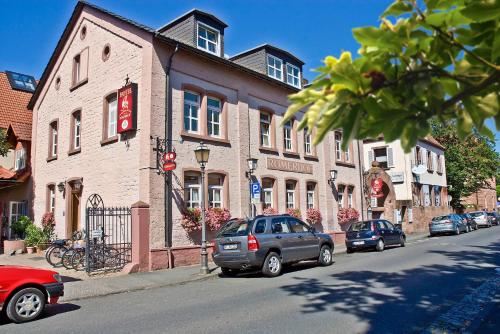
(58, 278)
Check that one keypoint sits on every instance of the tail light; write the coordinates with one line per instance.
(214, 242)
(447, 221)
(253, 243)
(372, 227)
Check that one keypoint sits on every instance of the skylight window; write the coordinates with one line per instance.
(208, 39)
(22, 82)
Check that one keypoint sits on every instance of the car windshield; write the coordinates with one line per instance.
(492, 214)
(360, 226)
(476, 214)
(235, 227)
(440, 218)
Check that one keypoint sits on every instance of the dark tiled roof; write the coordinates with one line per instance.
(13, 108)
(431, 140)
(268, 46)
(191, 12)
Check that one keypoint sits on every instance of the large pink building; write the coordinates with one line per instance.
(188, 91)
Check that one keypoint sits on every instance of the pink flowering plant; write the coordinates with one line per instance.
(191, 219)
(294, 212)
(269, 211)
(313, 216)
(216, 217)
(347, 215)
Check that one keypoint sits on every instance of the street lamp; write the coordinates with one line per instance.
(333, 177)
(202, 152)
(252, 166)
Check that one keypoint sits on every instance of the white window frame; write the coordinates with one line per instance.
(214, 188)
(269, 66)
(211, 123)
(212, 29)
(310, 196)
(54, 128)
(350, 191)
(287, 136)
(292, 67)
(52, 198)
(18, 213)
(20, 159)
(307, 143)
(190, 188)
(338, 146)
(290, 192)
(112, 117)
(190, 117)
(77, 120)
(266, 134)
(347, 153)
(340, 196)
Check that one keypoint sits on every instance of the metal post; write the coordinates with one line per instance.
(204, 255)
(250, 206)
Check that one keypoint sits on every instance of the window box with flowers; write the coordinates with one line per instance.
(269, 211)
(215, 218)
(294, 212)
(346, 216)
(313, 216)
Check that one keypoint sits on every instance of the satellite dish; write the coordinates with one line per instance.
(419, 170)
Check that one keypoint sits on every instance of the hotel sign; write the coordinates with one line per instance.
(127, 108)
(289, 166)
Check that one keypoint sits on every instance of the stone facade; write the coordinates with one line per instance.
(484, 199)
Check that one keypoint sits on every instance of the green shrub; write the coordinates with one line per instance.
(19, 226)
(33, 235)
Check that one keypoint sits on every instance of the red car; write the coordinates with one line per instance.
(24, 291)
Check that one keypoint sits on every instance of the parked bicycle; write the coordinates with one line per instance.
(55, 252)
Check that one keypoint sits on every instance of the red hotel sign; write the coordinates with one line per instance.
(127, 108)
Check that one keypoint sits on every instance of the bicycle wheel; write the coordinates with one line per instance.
(78, 260)
(66, 258)
(54, 255)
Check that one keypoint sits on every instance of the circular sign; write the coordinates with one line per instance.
(124, 124)
(168, 166)
(169, 156)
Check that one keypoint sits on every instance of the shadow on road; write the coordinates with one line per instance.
(389, 301)
(50, 311)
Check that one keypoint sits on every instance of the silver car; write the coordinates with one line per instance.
(481, 218)
(451, 223)
(268, 242)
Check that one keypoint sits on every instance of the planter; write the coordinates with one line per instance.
(30, 250)
(13, 245)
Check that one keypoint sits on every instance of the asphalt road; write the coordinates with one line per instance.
(397, 291)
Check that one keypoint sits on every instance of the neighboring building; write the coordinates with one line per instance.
(483, 199)
(15, 168)
(418, 178)
(234, 105)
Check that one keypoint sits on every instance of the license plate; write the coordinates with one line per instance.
(357, 243)
(229, 247)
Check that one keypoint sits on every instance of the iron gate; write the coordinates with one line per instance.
(108, 237)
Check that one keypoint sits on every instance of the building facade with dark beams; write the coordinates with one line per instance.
(187, 90)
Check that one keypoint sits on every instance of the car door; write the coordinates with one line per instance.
(305, 243)
(382, 230)
(392, 231)
(280, 231)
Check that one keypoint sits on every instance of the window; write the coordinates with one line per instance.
(192, 188)
(437, 195)
(260, 226)
(53, 139)
(347, 155)
(51, 198)
(426, 195)
(208, 39)
(338, 146)
(418, 155)
(20, 156)
(297, 226)
(383, 156)
(267, 193)
(290, 195)
(279, 225)
(112, 116)
(340, 197)
(439, 164)
(430, 162)
(215, 186)
(349, 197)
(307, 142)
(17, 209)
(21, 81)
(213, 116)
(265, 130)
(311, 187)
(191, 111)
(76, 69)
(287, 136)
(292, 75)
(274, 67)
(76, 130)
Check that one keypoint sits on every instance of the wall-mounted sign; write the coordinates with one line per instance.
(169, 165)
(127, 108)
(255, 192)
(169, 156)
(289, 166)
(96, 234)
(377, 187)
(397, 177)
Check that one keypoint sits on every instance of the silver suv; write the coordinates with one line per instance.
(268, 242)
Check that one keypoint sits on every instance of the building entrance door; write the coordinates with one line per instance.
(73, 217)
(75, 213)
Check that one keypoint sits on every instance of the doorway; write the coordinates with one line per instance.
(73, 216)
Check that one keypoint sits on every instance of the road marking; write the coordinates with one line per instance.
(462, 315)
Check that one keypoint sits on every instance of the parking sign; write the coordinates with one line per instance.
(255, 192)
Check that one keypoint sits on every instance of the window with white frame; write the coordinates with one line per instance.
(52, 198)
(437, 195)
(192, 190)
(112, 116)
(265, 130)
(191, 111)
(310, 195)
(267, 193)
(439, 163)
(208, 39)
(347, 155)
(292, 75)
(17, 209)
(338, 145)
(430, 161)
(307, 142)
(274, 67)
(214, 110)
(287, 136)
(53, 139)
(20, 156)
(290, 195)
(349, 197)
(76, 130)
(215, 190)
(383, 155)
(340, 196)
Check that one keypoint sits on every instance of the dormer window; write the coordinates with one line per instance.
(208, 39)
(274, 67)
(292, 75)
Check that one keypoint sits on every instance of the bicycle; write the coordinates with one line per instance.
(58, 247)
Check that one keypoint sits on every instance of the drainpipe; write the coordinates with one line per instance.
(361, 191)
(168, 142)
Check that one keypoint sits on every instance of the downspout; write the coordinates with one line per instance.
(362, 190)
(168, 143)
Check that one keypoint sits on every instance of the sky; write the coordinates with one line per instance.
(311, 30)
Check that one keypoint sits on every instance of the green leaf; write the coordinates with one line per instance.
(440, 4)
(495, 49)
(482, 10)
(437, 19)
(488, 104)
(382, 39)
(397, 8)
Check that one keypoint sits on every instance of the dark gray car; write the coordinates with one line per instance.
(268, 242)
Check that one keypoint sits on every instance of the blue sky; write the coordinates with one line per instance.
(29, 29)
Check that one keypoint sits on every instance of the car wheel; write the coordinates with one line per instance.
(272, 265)
(380, 245)
(457, 231)
(325, 256)
(26, 305)
(349, 250)
(402, 243)
(229, 271)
